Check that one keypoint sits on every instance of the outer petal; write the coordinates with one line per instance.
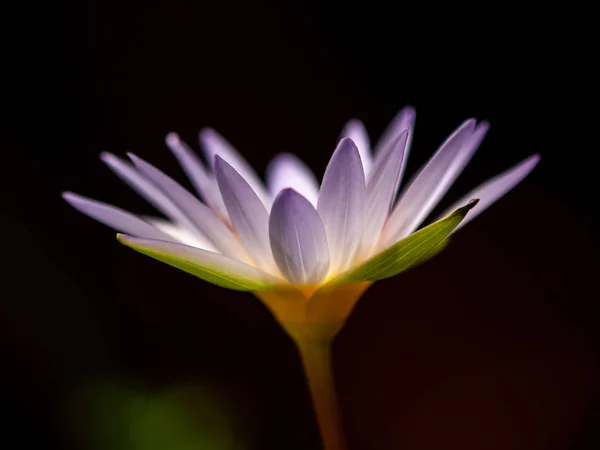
(201, 216)
(180, 234)
(203, 181)
(404, 120)
(298, 239)
(381, 190)
(495, 188)
(433, 181)
(288, 171)
(209, 266)
(342, 204)
(409, 251)
(214, 144)
(248, 214)
(114, 217)
(146, 189)
(356, 131)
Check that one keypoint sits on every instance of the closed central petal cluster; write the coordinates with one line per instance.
(294, 233)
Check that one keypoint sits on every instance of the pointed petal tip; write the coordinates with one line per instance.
(288, 194)
(410, 113)
(354, 122)
(126, 239)
(471, 203)
(109, 158)
(136, 160)
(172, 139)
(67, 195)
(218, 162)
(534, 159)
(207, 133)
(288, 191)
(73, 199)
(469, 123)
(346, 144)
(484, 124)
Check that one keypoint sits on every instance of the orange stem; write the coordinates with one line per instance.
(316, 357)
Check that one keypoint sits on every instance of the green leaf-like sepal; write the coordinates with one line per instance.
(410, 251)
(210, 266)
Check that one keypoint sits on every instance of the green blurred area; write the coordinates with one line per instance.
(111, 416)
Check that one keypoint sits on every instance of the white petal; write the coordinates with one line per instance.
(342, 204)
(432, 182)
(298, 239)
(288, 171)
(404, 120)
(381, 190)
(356, 131)
(203, 181)
(114, 217)
(145, 188)
(181, 234)
(202, 218)
(214, 144)
(494, 188)
(248, 214)
(212, 267)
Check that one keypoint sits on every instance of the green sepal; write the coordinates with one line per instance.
(229, 279)
(410, 251)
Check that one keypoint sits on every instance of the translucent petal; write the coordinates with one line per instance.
(203, 181)
(404, 120)
(114, 217)
(495, 188)
(248, 214)
(181, 234)
(214, 144)
(342, 204)
(298, 239)
(381, 191)
(209, 266)
(203, 219)
(288, 171)
(356, 131)
(433, 181)
(145, 188)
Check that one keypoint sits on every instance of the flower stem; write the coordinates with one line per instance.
(316, 357)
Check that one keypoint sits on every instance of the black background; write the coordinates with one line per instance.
(492, 345)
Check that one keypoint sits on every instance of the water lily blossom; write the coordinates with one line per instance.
(307, 250)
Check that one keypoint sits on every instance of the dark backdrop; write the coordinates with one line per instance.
(492, 345)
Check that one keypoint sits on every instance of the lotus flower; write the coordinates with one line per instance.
(307, 251)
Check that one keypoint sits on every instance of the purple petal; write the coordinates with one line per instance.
(494, 188)
(356, 131)
(404, 120)
(145, 188)
(202, 218)
(287, 171)
(298, 239)
(248, 214)
(214, 144)
(433, 181)
(381, 190)
(203, 181)
(342, 204)
(114, 217)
